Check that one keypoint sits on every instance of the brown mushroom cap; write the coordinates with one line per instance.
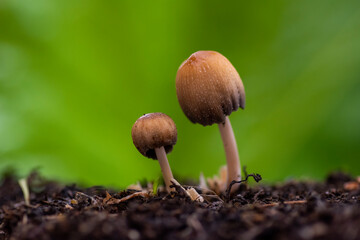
(209, 88)
(154, 130)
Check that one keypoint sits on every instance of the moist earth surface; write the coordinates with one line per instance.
(292, 210)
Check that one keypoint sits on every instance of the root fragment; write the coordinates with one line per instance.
(257, 178)
(124, 199)
(191, 192)
(285, 202)
(194, 195)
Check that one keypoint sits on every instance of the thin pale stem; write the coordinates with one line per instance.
(231, 151)
(25, 189)
(165, 167)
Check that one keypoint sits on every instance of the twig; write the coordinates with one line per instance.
(190, 192)
(197, 188)
(179, 189)
(257, 178)
(137, 194)
(285, 202)
(194, 195)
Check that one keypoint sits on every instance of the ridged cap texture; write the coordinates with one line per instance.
(154, 130)
(209, 88)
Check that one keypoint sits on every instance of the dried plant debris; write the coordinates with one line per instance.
(293, 210)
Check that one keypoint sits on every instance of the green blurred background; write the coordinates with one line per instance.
(75, 75)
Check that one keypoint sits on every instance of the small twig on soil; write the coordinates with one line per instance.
(257, 177)
(256, 196)
(285, 202)
(81, 197)
(190, 192)
(198, 188)
(137, 194)
(179, 189)
(107, 198)
(194, 195)
(212, 198)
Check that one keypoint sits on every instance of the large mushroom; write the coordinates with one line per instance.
(209, 89)
(154, 135)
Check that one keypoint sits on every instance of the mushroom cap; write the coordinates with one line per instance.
(154, 130)
(209, 88)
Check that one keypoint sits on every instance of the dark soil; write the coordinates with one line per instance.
(293, 210)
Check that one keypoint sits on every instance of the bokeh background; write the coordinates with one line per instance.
(75, 75)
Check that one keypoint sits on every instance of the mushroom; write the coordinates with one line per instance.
(209, 89)
(154, 135)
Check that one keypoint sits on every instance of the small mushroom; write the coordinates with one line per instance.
(209, 89)
(154, 135)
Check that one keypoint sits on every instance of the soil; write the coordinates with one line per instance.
(292, 210)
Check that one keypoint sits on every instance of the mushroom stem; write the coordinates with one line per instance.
(165, 167)
(231, 151)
